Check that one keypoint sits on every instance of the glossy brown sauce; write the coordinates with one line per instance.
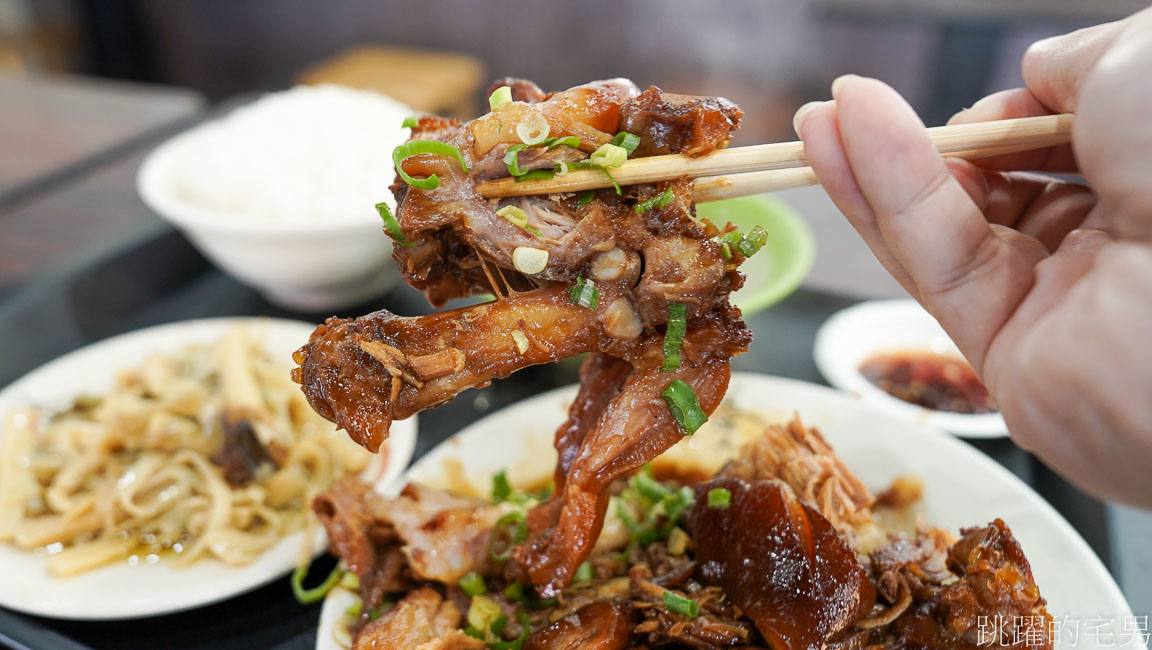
(935, 381)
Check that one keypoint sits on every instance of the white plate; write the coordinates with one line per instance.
(122, 591)
(962, 487)
(853, 335)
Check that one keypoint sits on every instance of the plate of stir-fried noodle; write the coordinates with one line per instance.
(167, 468)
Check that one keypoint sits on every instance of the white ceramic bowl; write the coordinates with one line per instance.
(304, 266)
(855, 334)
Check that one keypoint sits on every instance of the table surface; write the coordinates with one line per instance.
(105, 294)
(51, 128)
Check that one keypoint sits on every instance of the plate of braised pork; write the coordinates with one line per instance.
(784, 547)
(796, 517)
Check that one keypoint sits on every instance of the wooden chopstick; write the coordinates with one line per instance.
(718, 188)
(964, 140)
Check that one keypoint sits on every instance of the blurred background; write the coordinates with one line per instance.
(87, 81)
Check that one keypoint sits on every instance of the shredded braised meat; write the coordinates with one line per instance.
(363, 373)
(770, 570)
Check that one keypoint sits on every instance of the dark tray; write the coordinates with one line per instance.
(160, 278)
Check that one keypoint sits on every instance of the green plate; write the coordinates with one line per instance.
(779, 268)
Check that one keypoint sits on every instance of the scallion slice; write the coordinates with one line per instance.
(651, 488)
(501, 488)
(499, 97)
(586, 198)
(674, 335)
(626, 141)
(685, 406)
(417, 147)
(753, 241)
(658, 201)
(410, 122)
(533, 129)
(584, 573)
(317, 593)
(719, 498)
(509, 531)
(584, 293)
(514, 591)
(391, 226)
(725, 250)
(510, 159)
(482, 613)
(681, 605)
(535, 174)
(472, 584)
(608, 156)
(570, 141)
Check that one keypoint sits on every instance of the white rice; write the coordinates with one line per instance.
(309, 154)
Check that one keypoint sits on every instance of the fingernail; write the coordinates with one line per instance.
(801, 114)
(840, 82)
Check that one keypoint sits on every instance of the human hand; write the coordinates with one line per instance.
(1045, 286)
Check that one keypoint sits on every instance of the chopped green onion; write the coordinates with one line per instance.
(509, 531)
(391, 226)
(499, 97)
(514, 215)
(483, 612)
(658, 201)
(417, 147)
(725, 251)
(501, 488)
(514, 591)
(354, 609)
(350, 581)
(584, 293)
(585, 573)
(678, 541)
(681, 604)
(518, 642)
(317, 593)
(684, 405)
(570, 141)
(472, 584)
(609, 155)
(533, 129)
(498, 625)
(651, 488)
(719, 498)
(510, 159)
(528, 260)
(758, 236)
(613, 179)
(674, 335)
(410, 122)
(753, 241)
(733, 236)
(588, 164)
(535, 174)
(626, 141)
(586, 198)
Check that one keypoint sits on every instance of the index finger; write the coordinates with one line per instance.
(969, 278)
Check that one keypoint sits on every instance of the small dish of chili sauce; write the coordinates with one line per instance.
(940, 382)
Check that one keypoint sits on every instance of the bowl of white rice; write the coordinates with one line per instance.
(281, 193)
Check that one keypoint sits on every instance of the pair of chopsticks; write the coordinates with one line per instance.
(742, 171)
